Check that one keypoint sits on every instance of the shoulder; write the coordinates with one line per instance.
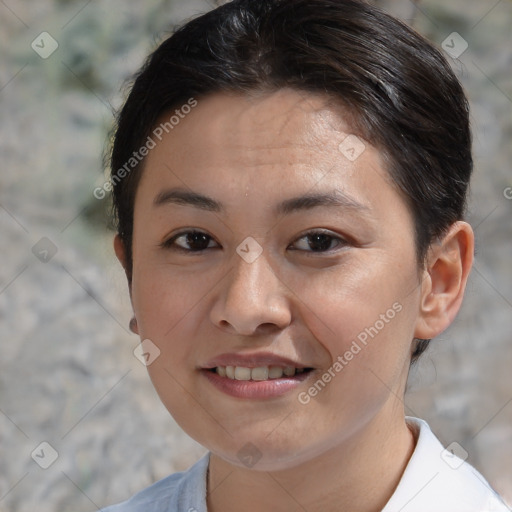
(180, 491)
(436, 478)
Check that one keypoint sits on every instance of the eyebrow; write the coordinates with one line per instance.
(334, 198)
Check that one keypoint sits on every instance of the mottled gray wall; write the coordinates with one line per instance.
(67, 373)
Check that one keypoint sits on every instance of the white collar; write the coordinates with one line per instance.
(436, 479)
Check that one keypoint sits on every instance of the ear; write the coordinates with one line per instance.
(448, 264)
(120, 250)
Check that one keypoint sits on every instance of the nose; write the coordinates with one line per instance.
(253, 300)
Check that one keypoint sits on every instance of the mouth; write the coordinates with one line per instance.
(257, 376)
(258, 373)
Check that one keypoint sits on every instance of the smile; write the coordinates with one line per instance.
(259, 373)
(260, 382)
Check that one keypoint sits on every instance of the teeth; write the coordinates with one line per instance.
(275, 372)
(289, 371)
(259, 373)
(242, 373)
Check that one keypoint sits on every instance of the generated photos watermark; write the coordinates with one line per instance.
(151, 142)
(355, 348)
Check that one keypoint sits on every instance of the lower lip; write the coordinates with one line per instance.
(255, 388)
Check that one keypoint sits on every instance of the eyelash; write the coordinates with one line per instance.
(170, 243)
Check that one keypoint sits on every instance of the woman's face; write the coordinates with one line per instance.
(304, 257)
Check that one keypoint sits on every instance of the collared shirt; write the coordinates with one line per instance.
(435, 480)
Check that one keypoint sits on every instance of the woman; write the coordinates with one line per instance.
(289, 179)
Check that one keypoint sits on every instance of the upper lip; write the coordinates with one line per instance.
(253, 360)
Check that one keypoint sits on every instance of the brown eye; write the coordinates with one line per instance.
(318, 241)
(190, 241)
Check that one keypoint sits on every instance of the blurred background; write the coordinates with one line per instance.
(68, 376)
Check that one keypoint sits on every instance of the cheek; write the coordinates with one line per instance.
(163, 295)
(362, 301)
(364, 318)
(170, 305)
(365, 321)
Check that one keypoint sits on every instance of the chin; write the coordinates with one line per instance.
(262, 454)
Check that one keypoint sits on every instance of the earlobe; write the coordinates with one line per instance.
(120, 250)
(449, 262)
(133, 325)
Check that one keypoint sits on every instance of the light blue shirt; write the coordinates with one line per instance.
(435, 480)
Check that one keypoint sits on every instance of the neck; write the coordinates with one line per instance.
(359, 475)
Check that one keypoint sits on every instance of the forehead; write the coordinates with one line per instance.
(288, 128)
(258, 121)
(263, 148)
